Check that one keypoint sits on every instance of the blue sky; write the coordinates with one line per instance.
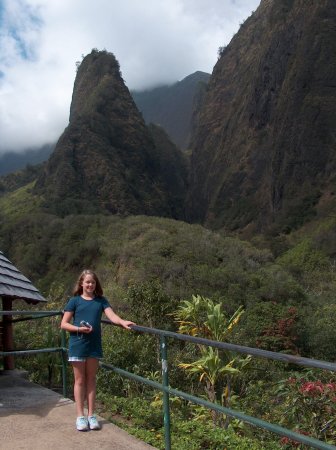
(155, 42)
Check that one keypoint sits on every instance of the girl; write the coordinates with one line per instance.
(82, 316)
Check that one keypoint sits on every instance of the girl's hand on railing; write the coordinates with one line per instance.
(126, 324)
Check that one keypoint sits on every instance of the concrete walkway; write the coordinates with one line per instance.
(36, 418)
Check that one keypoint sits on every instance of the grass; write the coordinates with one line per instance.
(20, 202)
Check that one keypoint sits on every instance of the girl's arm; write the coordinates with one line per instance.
(114, 318)
(68, 326)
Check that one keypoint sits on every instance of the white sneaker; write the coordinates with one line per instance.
(82, 424)
(93, 423)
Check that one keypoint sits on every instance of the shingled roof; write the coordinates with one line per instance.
(15, 285)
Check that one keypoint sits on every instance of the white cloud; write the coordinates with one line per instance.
(155, 42)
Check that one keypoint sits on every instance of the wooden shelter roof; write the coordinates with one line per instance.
(15, 285)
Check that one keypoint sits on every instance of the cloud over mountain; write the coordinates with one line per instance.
(155, 42)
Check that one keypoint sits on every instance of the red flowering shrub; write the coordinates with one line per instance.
(280, 336)
(316, 388)
(310, 405)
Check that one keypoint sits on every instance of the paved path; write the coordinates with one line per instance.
(36, 418)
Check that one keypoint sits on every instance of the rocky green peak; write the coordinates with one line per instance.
(106, 159)
(97, 72)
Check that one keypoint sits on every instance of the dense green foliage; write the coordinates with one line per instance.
(150, 266)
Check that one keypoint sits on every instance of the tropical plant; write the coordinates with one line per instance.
(202, 317)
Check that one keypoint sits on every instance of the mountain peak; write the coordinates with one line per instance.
(106, 159)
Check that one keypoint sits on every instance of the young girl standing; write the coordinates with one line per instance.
(82, 317)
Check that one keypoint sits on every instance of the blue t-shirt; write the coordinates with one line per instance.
(86, 344)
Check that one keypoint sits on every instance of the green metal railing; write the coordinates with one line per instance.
(164, 387)
(167, 390)
(62, 350)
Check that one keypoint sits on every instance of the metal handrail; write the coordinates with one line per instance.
(164, 387)
(62, 350)
(283, 357)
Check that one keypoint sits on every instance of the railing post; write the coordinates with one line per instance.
(64, 364)
(165, 383)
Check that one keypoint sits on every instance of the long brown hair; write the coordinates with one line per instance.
(78, 289)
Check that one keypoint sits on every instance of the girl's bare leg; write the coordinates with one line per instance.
(79, 369)
(91, 368)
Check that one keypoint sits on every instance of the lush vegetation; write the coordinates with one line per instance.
(275, 293)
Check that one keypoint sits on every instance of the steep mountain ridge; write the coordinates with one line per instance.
(263, 149)
(106, 159)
